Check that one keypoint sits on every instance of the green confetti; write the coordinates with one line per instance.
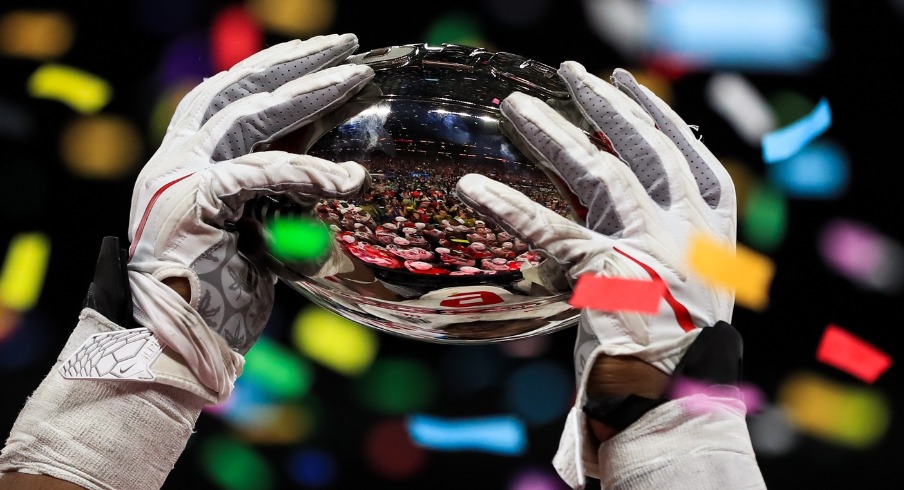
(298, 238)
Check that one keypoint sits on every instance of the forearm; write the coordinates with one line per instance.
(98, 434)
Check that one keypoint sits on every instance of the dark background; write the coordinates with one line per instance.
(860, 78)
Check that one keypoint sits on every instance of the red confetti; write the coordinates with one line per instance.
(617, 294)
(843, 350)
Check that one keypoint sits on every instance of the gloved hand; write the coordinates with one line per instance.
(644, 202)
(189, 197)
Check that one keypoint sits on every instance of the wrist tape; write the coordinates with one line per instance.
(101, 434)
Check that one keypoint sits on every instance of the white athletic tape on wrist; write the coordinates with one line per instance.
(101, 434)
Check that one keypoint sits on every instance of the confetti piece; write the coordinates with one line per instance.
(843, 350)
(747, 272)
(739, 102)
(852, 416)
(80, 90)
(784, 143)
(298, 238)
(24, 270)
(617, 294)
(819, 171)
(683, 387)
(35, 34)
(335, 342)
(862, 254)
(497, 434)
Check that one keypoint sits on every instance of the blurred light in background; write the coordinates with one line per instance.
(103, 146)
(767, 35)
(23, 338)
(819, 171)
(772, 433)
(278, 371)
(540, 392)
(765, 221)
(528, 347)
(457, 27)
(397, 386)
(185, 60)
(391, 452)
(234, 465)
(852, 416)
(773, 35)
(81, 91)
(862, 254)
(519, 13)
(312, 468)
(504, 434)
(294, 18)
(339, 344)
(36, 34)
(16, 122)
(164, 109)
(537, 479)
(467, 370)
(234, 36)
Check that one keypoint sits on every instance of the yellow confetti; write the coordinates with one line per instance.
(82, 91)
(851, 415)
(24, 270)
(747, 272)
(335, 342)
(35, 34)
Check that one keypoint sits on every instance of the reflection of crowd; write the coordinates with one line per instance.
(410, 219)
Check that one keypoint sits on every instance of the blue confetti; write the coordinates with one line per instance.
(784, 143)
(496, 434)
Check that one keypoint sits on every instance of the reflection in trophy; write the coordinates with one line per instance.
(408, 257)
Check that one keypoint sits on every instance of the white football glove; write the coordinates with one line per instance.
(190, 195)
(642, 209)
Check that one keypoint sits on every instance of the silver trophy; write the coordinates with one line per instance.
(409, 258)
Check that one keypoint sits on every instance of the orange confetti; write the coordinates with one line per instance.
(744, 270)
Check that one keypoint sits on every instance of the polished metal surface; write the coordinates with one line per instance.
(409, 258)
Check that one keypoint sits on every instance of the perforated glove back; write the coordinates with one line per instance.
(191, 193)
(643, 207)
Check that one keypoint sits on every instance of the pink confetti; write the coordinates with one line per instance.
(617, 294)
(751, 396)
(845, 351)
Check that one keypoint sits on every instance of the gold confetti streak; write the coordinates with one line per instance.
(24, 270)
(80, 90)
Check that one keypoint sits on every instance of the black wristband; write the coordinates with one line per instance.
(715, 357)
